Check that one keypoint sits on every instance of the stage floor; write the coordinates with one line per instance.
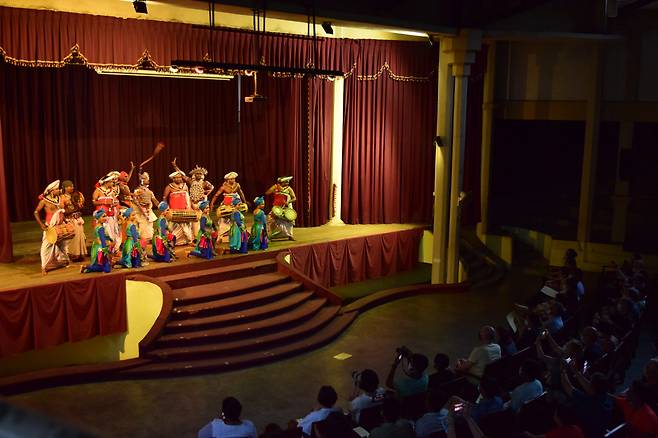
(26, 269)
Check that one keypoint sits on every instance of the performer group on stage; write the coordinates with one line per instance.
(125, 222)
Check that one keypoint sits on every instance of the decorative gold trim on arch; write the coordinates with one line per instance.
(146, 62)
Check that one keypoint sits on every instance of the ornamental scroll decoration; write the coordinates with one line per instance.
(146, 62)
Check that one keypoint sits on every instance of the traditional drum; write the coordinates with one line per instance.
(277, 211)
(60, 232)
(183, 216)
(226, 210)
(289, 214)
(108, 205)
(178, 201)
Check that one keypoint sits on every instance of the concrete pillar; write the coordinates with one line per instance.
(591, 146)
(337, 154)
(621, 198)
(461, 73)
(487, 134)
(442, 169)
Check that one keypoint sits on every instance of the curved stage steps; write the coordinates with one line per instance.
(238, 315)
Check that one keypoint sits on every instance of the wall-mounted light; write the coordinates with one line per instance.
(140, 6)
(327, 28)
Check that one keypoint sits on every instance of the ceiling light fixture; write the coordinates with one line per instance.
(172, 72)
(327, 28)
(140, 6)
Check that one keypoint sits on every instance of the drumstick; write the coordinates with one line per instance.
(156, 151)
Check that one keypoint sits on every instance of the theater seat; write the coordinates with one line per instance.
(371, 418)
(414, 406)
(499, 424)
(536, 416)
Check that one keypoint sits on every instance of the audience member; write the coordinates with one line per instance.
(393, 427)
(489, 401)
(335, 425)
(530, 331)
(482, 355)
(592, 405)
(436, 418)
(571, 353)
(413, 380)
(327, 398)
(506, 341)
(443, 373)
(229, 425)
(366, 394)
(592, 350)
(530, 388)
(639, 417)
(565, 425)
(554, 323)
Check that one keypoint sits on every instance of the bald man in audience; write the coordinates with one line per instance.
(482, 355)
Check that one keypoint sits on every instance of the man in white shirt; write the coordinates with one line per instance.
(482, 355)
(327, 398)
(230, 425)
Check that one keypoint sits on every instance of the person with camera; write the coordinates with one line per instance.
(414, 379)
(366, 393)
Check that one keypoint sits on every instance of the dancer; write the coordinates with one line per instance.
(230, 190)
(177, 196)
(164, 241)
(258, 236)
(238, 232)
(125, 196)
(144, 201)
(106, 196)
(281, 219)
(205, 245)
(132, 252)
(199, 189)
(53, 250)
(100, 250)
(73, 204)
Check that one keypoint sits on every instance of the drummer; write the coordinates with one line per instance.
(199, 189)
(53, 255)
(145, 201)
(73, 202)
(106, 196)
(281, 219)
(229, 191)
(177, 196)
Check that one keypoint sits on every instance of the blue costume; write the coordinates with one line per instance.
(163, 241)
(204, 246)
(258, 237)
(100, 253)
(237, 235)
(131, 253)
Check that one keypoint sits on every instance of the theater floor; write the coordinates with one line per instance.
(278, 392)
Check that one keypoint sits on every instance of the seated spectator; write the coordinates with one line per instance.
(327, 398)
(568, 296)
(506, 341)
(639, 417)
(554, 323)
(592, 350)
(580, 286)
(531, 387)
(413, 380)
(393, 427)
(592, 405)
(565, 425)
(443, 373)
(489, 401)
(230, 424)
(482, 355)
(436, 418)
(571, 353)
(366, 394)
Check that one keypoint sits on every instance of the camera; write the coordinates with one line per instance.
(402, 352)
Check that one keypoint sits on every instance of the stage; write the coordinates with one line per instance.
(25, 271)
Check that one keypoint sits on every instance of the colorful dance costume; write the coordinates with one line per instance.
(205, 245)
(131, 253)
(238, 236)
(100, 252)
(163, 241)
(258, 237)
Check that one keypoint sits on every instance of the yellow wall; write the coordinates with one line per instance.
(500, 245)
(144, 302)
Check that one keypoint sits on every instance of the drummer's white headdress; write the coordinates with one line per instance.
(52, 186)
(109, 177)
(231, 175)
(144, 175)
(284, 179)
(177, 173)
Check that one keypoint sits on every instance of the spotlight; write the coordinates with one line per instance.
(438, 142)
(173, 69)
(327, 28)
(140, 6)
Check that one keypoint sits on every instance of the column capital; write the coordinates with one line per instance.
(460, 50)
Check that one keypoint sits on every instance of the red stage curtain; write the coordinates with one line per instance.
(6, 254)
(361, 258)
(388, 157)
(49, 315)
